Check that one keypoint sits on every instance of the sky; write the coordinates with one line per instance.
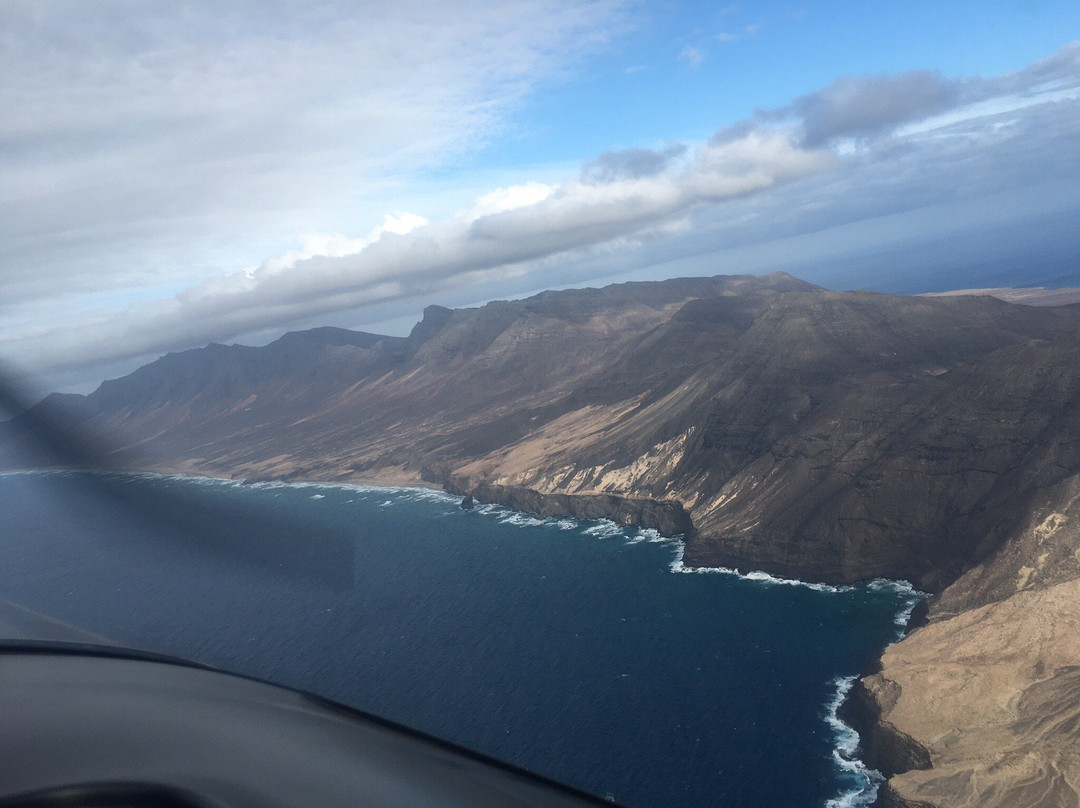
(176, 173)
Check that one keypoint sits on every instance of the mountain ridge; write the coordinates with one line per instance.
(791, 423)
(830, 436)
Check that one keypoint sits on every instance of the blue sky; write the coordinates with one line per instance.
(183, 173)
(638, 91)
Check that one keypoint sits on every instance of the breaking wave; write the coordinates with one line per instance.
(860, 784)
(862, 781)
(677, 565)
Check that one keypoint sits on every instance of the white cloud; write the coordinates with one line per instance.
(141, 138)
(314, 245)
(511, 231)
(508, 198)
(780, 175)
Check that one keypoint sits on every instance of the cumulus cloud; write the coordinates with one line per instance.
(1063, 66)
(509, 198)
(868, 106)
(314, 245)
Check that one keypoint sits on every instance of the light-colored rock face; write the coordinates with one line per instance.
(1045, 551)
(994, 695)
(992, 691)
(545, 459)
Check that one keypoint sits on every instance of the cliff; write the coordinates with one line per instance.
(981, 706)
(778, 426)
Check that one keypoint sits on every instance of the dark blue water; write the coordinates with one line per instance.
(572, 648)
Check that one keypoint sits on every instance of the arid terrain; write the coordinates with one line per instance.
(829, 436)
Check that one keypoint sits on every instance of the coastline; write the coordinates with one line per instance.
(842, 790)
(668, 517)
(846, 754)
(385, 477)
(852, 737)
(852, 726)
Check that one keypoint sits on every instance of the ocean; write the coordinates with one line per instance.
(581, 650)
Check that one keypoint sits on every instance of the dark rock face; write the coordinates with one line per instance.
(1041, 553)
(932, 472)
(882, 746)
(668, 518)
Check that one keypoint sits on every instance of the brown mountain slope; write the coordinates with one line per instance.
(822, 435)
(833, 436)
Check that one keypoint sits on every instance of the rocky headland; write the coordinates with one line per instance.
(829, 436)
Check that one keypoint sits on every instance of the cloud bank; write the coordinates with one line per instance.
(156, 131)
(509, 232)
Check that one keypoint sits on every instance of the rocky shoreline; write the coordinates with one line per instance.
(667, 517)
(951, 663)
(979, 704)
(825, 436)
(882, 746)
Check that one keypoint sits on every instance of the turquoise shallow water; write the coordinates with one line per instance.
(577, 649)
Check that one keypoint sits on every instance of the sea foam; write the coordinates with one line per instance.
(604, 529)
(864, 781)
(861, 782)
(678, 565)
